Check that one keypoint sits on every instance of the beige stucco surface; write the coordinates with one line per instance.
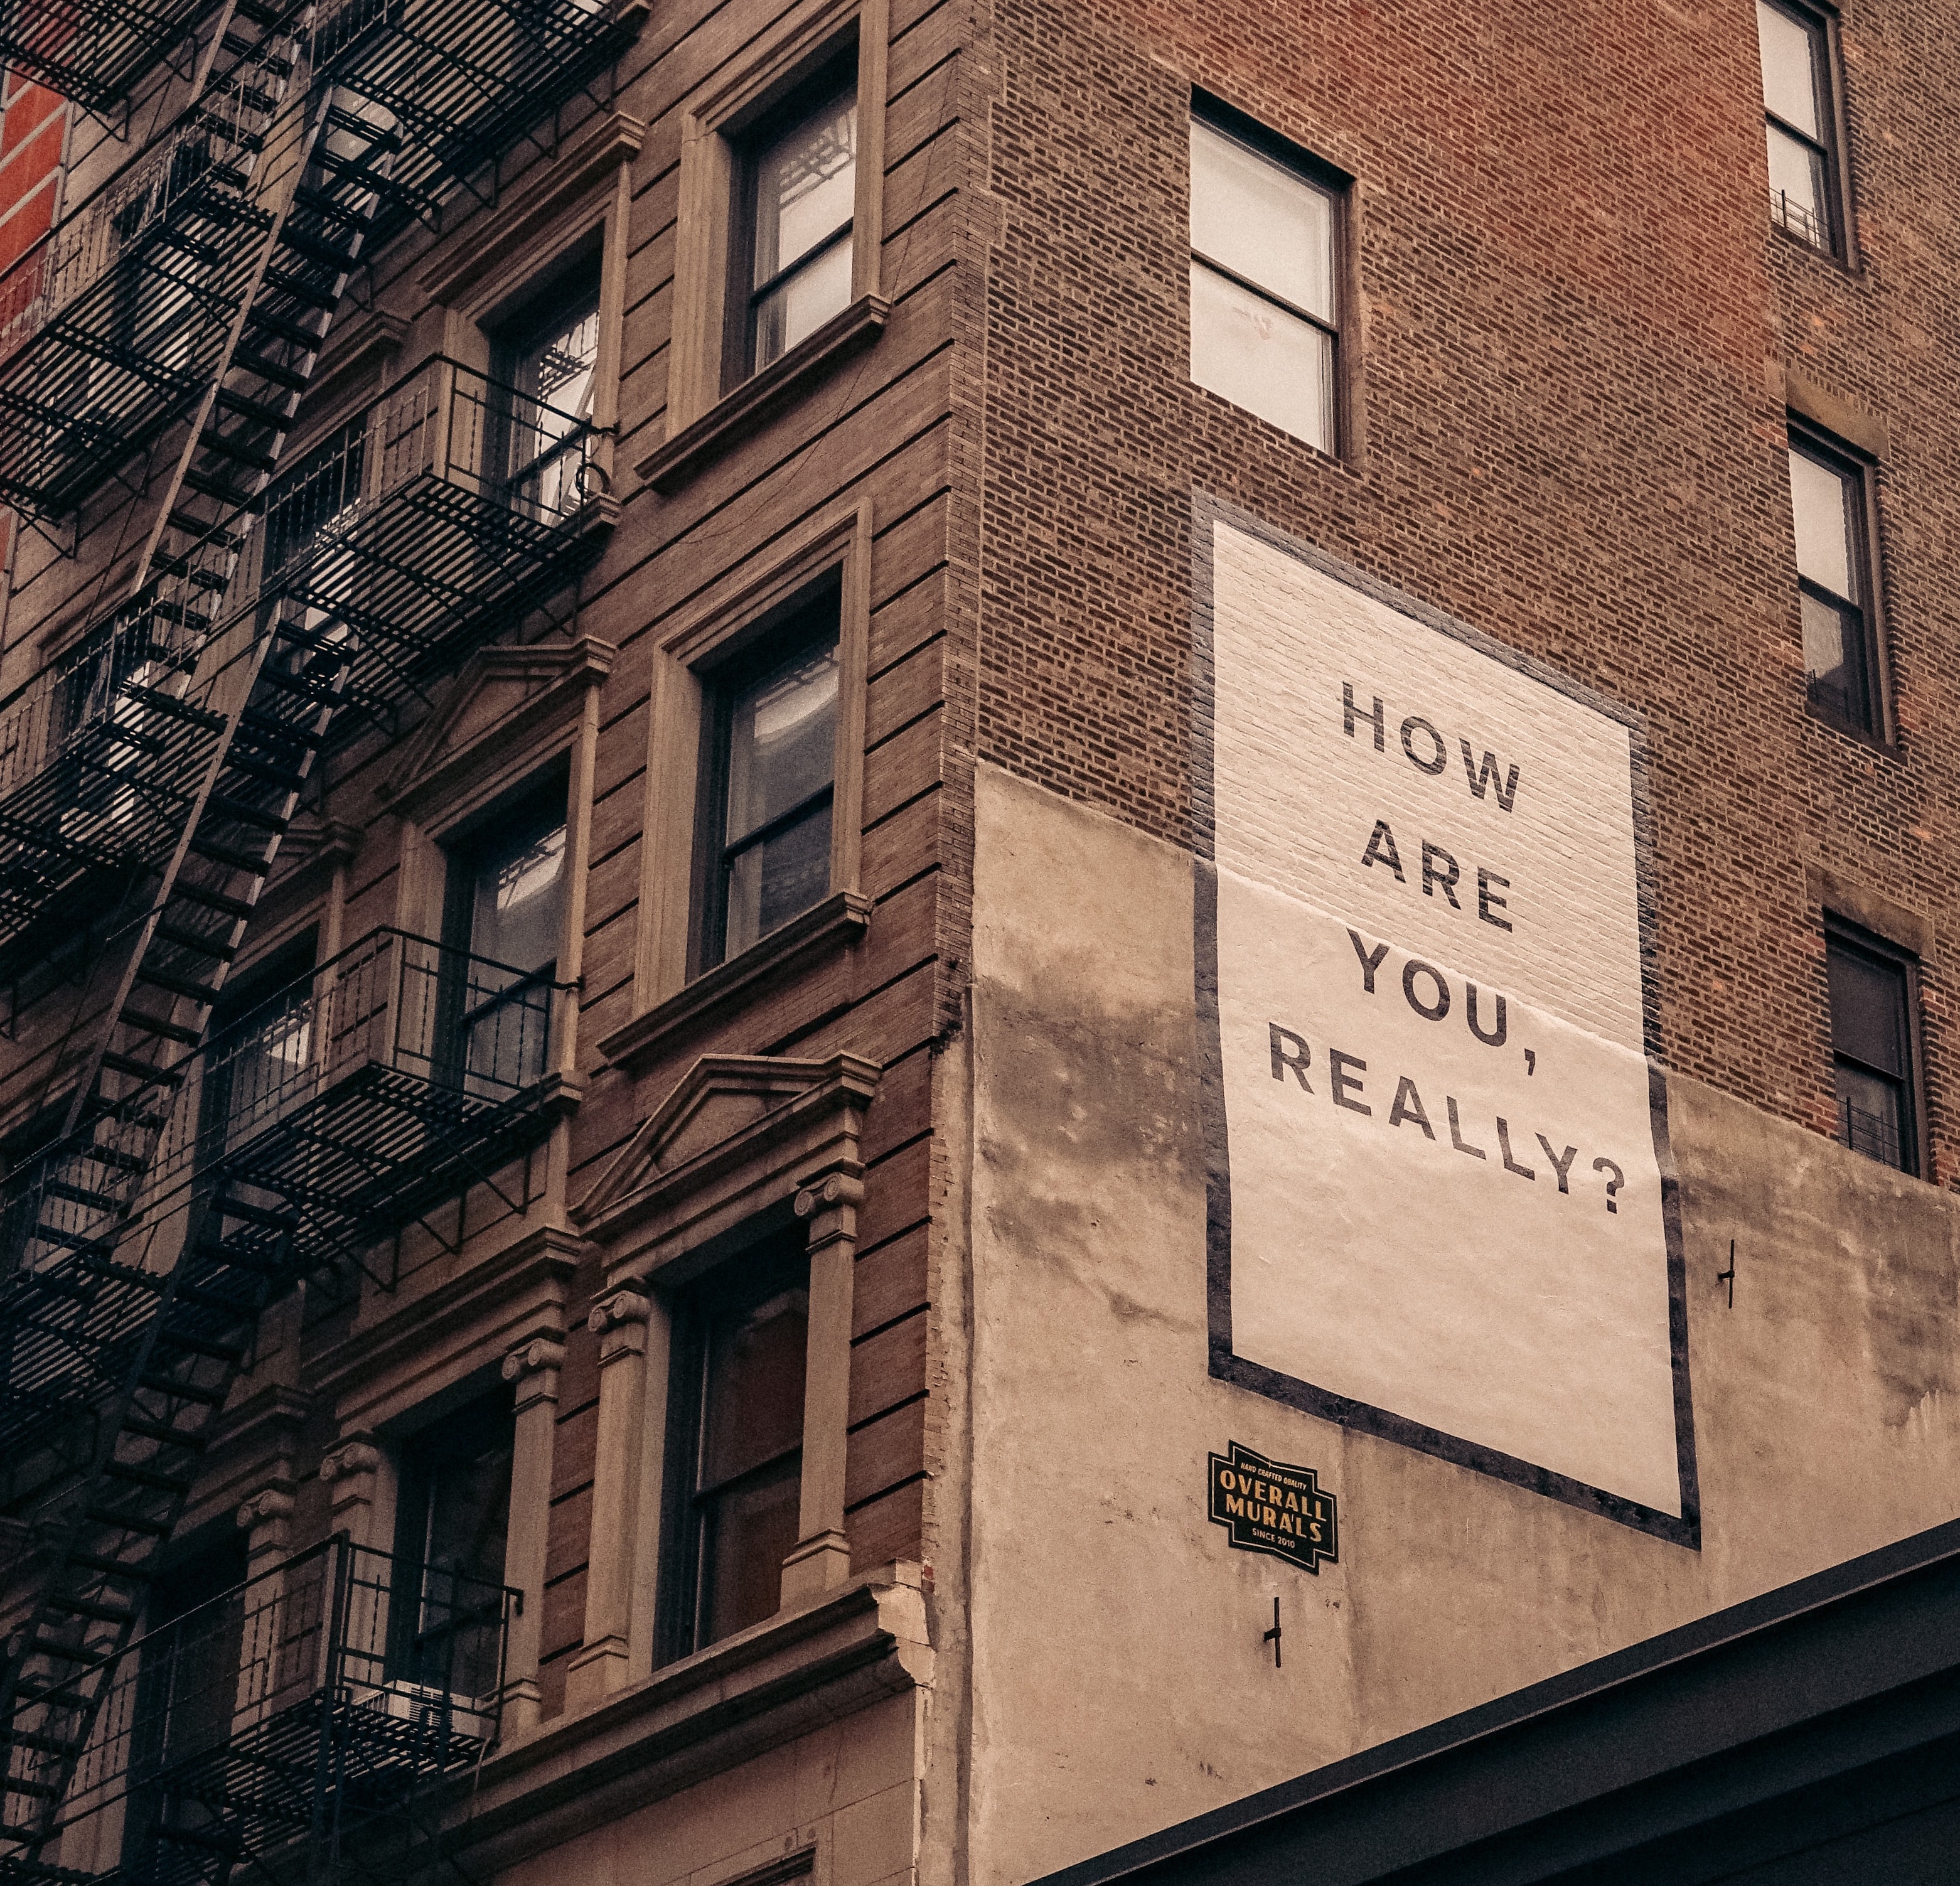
(1119, 1677)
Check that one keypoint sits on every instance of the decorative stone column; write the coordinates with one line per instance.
(533, 1366)
(266, 1520)
(605, 1663)
(829, 1201)
(352, 1469)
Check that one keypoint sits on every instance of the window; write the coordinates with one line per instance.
(1872, 1047)
(504, 922)
(1834, 566)
(1264, 293)
(739, 1363)
(768, 779)
(549, 363)
(186, 1698)
(796, 180)
(253, 1074)
(453, 1513)
(1806, 193)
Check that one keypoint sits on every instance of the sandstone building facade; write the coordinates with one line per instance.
(798, 800)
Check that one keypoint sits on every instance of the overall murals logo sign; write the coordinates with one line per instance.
(1268, 1506)
(1436, 1143)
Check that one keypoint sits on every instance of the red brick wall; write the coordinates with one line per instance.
(33, 124)
(1570, 430)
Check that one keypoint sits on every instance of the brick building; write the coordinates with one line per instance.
(875, 874)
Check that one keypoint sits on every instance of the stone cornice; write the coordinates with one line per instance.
(752, 1692)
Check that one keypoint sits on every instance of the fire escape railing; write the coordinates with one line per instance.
(93, 50)
(338, 1111)
(311, 1708)
(449, 505)
(114, 324)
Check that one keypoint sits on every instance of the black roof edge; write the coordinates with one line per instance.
(1933, 1554)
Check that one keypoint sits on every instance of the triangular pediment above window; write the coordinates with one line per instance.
(737, 1131)
(502, 699)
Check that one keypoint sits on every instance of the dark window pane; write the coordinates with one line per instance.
(754, 1411)
(752, 1528)
(451, 1525)
(749, 1474)
(1868, 1009)
(778, 878)
(1833, 661)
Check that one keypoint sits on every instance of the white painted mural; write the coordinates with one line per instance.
(1438, 1204)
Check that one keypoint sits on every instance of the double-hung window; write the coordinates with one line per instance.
(1871, 1044)
(549, 365)
(503, 923)
(1265, 299)
(796, 180)
(453, 1517)
(1800, 108)
(769, 782)
(1828, 506)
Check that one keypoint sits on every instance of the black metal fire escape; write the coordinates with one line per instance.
(161, 760)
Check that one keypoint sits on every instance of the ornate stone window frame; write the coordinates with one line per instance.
(742, 1141)
(703, 417)
(837, 538)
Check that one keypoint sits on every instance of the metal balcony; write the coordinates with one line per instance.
(448, 508)
(463, 82)
(343, 1109)
(364, 1092)
(115, 323)
(297, 1723)
(92, 51)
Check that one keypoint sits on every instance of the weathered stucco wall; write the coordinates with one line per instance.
(1120, 1678)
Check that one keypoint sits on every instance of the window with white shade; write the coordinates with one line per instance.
(1799, 109)
(1828, 511)
(768, 781)
(793, 252)
(1265, 292)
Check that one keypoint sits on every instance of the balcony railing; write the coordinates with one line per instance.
(1871, 1134)
(356, 1097)
(189, 173)
(311, 1703)
(1806, 223)
(93, 50)
(115, 321)
(450, 505)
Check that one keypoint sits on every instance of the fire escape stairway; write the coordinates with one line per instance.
(173, 745)
(126, 1351)
(93, 50)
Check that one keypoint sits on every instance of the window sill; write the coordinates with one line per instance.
(837, 922)
(795, 1671)
(733, 417)
(1858, 736)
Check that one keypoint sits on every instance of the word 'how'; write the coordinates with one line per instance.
(1426, 750)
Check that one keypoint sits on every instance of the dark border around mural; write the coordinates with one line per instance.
(1225, 1365)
